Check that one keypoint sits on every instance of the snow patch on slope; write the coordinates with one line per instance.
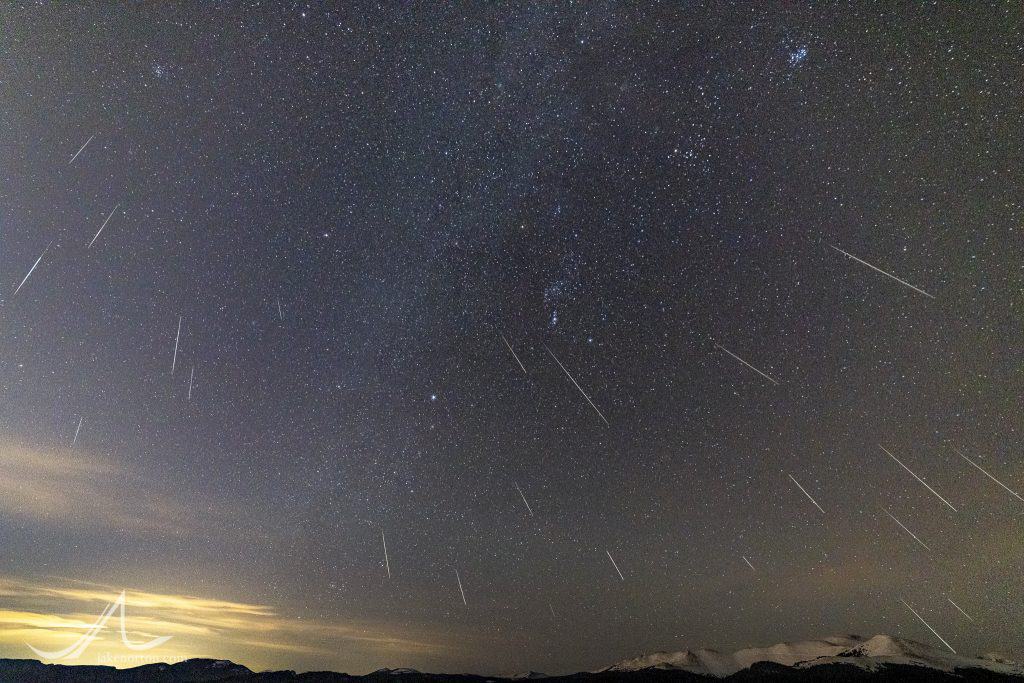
(867, 653)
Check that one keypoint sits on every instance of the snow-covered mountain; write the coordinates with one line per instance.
(866, 653)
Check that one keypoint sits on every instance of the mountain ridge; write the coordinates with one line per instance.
(880, 658)
(851, 650)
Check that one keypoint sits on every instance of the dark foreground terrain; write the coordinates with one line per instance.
(208, 670)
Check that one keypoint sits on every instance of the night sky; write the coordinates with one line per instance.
(396, 237)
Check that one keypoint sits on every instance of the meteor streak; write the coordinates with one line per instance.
(767, 377)
(959, 609)
(77, 429)
(462, 592)
(577, 386)
(918, 478)
(912, 534)
(615, 565)
(81, 149)
(902, 282)
(96, 236)
(513, 353)
(30, 270)
(806, 494)
(929, 626)
(174, 361)
(524, 498)
(1014, 493)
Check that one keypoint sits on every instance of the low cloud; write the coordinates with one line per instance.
(77, 489)
(52, 616)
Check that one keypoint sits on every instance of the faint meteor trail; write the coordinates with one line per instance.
(387, 564)
(615, 565)
(918, 478)
(929, 626)
(748, 562)
(174, 361)
(577, 385)
(462, 592)
(959, 609)
(280, 313)
(806, 494)
(513, 353)
(96, 236)
(524, 498)
(30, 270)
(912, 534)
(77, 429)
(767, 377)
(191, 378)
(552, 611)
(983, 471)
(902, 282)
(81, 149)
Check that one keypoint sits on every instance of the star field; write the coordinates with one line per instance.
(398, 236)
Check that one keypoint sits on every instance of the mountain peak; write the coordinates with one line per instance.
(868, 653)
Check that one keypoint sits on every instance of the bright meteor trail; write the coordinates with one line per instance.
(890, 275)
(918, 478)
(576, 384)
(766, 376)
(30, 270)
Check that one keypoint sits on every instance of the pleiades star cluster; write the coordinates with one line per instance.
(501, 336)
